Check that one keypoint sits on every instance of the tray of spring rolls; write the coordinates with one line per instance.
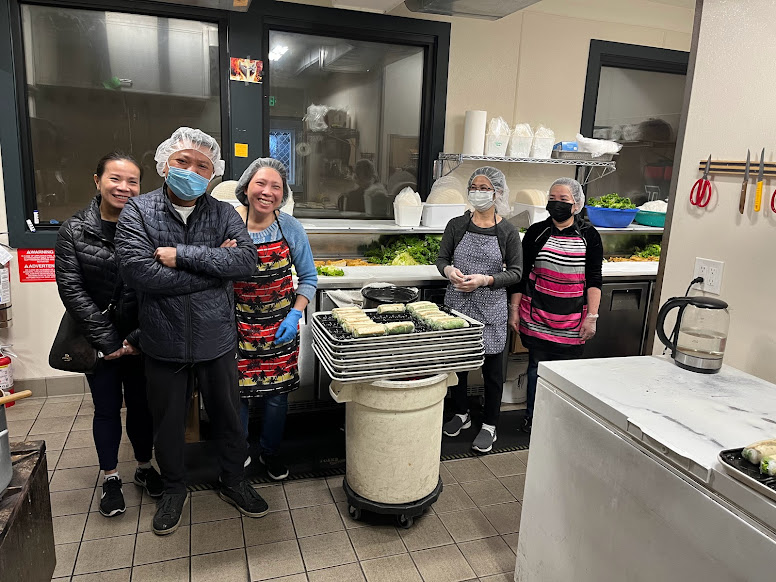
(394, 324)
(754, 465)
(395, 341)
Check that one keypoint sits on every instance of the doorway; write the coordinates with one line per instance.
(634, 96)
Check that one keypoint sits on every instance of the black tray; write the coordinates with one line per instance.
(739, 468)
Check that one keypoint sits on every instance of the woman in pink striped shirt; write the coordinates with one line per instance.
(555, 304)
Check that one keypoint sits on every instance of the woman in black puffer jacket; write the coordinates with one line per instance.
(88, 278)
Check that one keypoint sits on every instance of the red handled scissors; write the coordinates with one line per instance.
(700, 195)
(773, 201)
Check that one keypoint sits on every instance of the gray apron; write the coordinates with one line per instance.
(480, 254)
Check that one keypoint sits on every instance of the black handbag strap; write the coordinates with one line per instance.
(114, 300)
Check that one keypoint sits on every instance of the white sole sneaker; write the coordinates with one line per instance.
(456, 433)
(247, 462)
(487, 450)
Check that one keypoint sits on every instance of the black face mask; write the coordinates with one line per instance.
(559, 211)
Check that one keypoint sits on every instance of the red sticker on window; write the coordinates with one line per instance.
(36, 265)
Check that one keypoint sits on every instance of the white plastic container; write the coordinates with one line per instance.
(407, 215)
(535, 213)
(542, 147)
(393, 434)
(519, 147)
(438, 215)
(496, 145)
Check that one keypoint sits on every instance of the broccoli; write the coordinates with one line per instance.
(611, 201)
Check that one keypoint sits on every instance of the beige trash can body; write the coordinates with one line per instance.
(393, 436)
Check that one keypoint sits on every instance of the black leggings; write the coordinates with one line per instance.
(493, 374)
(106, 386)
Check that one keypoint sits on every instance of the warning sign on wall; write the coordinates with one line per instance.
(36, 265)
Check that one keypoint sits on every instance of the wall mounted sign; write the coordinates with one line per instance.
(246, 70)
(36, 265)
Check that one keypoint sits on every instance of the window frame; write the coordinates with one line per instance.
(17, 160)
(432, 36)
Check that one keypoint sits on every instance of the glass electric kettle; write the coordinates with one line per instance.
(700, 333)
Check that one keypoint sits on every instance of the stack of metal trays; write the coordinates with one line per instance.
(408, 355)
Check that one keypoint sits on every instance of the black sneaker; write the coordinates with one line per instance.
(245, 499)
(527, 425)
(275, 467)
(455, 425)
(151, 480)
(112, 499)
(168, 513)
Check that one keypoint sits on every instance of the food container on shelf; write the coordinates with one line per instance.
(535, 213)
(611, 217)
(581, 156)
(650, 218)
(407, 215)
(438, 215)
(496, 145)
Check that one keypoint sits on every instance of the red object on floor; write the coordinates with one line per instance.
(6, 377)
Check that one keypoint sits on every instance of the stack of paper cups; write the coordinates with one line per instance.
(474, 133)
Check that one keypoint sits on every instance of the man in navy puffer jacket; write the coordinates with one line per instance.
(180, 249)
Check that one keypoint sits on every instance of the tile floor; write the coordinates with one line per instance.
(471, 532)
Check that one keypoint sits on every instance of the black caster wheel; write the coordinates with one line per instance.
(354, 512)
(405, 521)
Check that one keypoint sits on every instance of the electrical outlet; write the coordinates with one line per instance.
(711, 271)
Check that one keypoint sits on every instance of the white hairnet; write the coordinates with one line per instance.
(187, 138)
(256, 165)
(576, 191)
(499, 182)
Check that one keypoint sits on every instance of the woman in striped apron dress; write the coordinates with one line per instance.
(480, 255)
(268, 308)
(555, 305)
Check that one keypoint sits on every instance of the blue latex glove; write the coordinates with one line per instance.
(289, 327)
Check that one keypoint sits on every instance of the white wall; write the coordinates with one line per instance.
(730, 110)
(529, 66)
(36, 310)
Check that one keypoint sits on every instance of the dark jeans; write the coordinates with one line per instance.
(170, 386)
(534, 357)
(493, 375)
(274, 422)
(114, 382)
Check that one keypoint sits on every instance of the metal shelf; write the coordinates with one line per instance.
(633, 229)
(604, 168)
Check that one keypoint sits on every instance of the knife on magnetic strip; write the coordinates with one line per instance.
(758, 195)
(742, 200)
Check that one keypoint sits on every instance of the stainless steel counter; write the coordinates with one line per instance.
(418, 275)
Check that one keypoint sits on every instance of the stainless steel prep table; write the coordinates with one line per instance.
(314, 386)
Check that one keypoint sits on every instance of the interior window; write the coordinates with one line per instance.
(101, 81)
(355, 107)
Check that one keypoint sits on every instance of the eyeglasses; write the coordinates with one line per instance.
(482, 188)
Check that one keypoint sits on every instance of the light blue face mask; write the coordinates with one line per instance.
(185, 184)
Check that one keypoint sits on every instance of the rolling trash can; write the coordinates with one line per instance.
(393, 442)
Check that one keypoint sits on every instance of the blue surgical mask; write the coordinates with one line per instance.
(185, 184)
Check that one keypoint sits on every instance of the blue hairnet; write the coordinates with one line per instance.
(499, 182)
(186, 138)
(576, 191)
(256, 165)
